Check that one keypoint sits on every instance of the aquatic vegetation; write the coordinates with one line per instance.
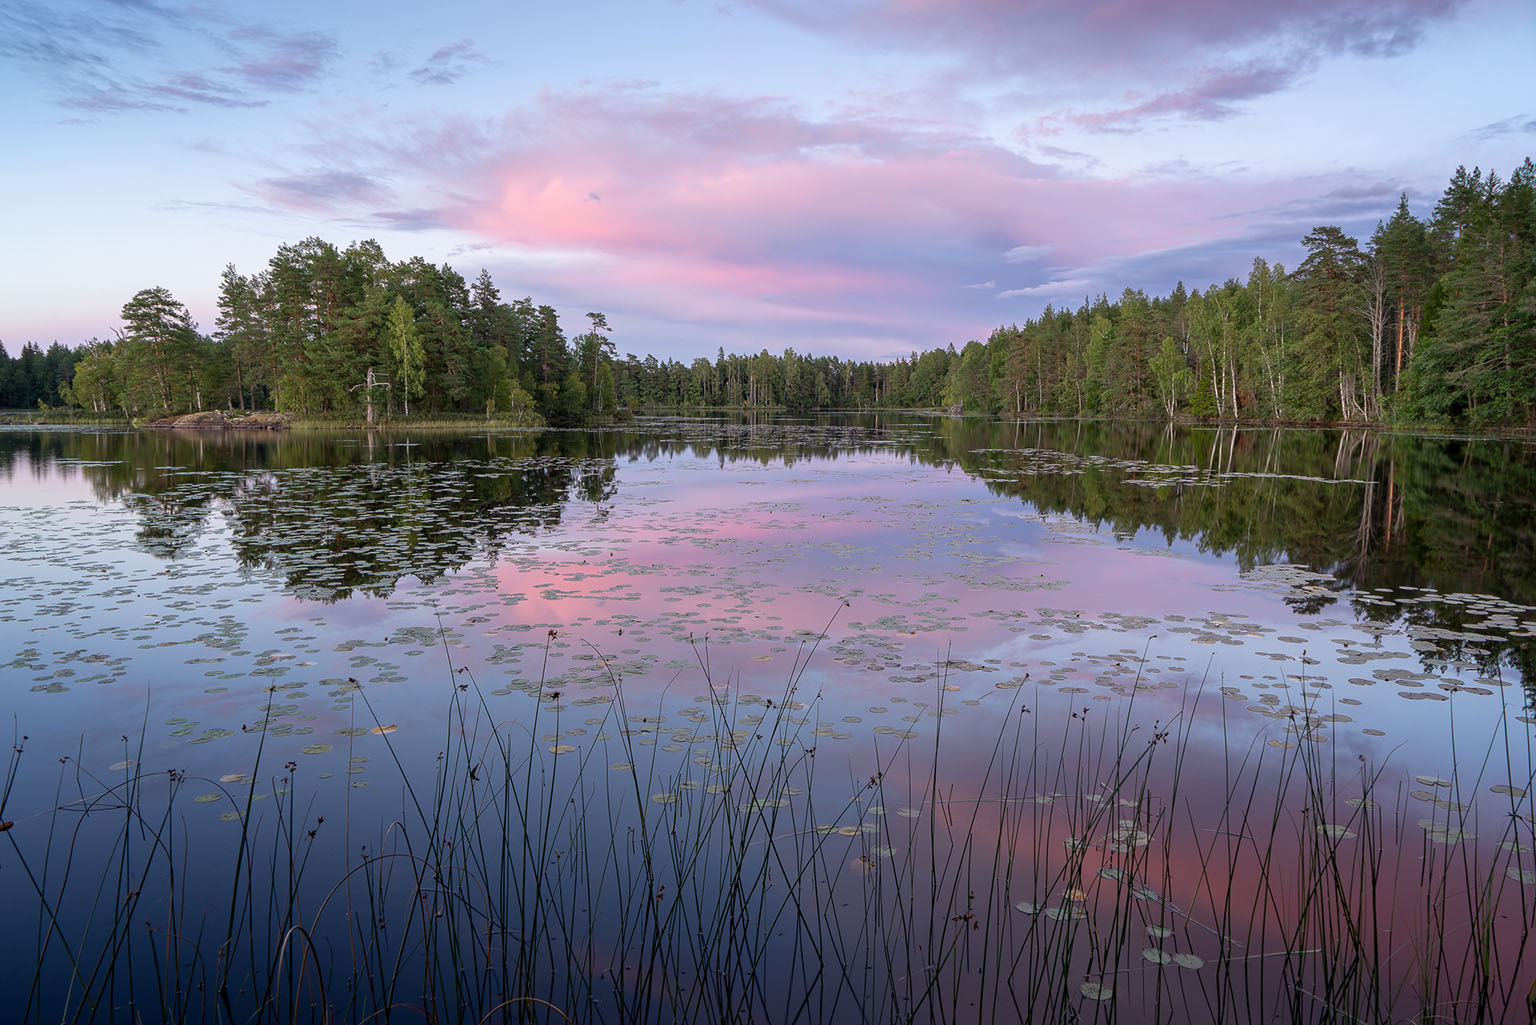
(1068, 869)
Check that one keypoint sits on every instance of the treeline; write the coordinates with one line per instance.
(1432, 320)
(344, 333)
(36, 378)
(327, 332)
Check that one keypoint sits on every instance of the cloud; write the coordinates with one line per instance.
(92, 98)
(745, 221)
(784, 200)
(1212, 96)
(420, 219)
(320, 190)
(1014, 36)
(448, 64)
(384, 62)
(105, 59)
(1060, 288)
(50, 37)
(283, 61)
(1026, 254)
(1521, 124)
(1202, 263)
(1359, 203)
(215, 206)
(1169, 58)
(739, 219)
(200, 89)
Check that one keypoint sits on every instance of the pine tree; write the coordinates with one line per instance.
(157, 353)
(1332, 360)
(1403, 245)
(242, 335)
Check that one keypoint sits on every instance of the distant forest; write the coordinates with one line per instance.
(1432, 321)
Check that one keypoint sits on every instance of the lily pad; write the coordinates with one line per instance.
(1096, 991)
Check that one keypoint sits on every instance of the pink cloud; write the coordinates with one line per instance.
(749, 224)
(694, 201)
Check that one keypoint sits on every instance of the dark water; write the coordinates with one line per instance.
(179, 602)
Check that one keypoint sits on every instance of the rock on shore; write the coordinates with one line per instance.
(218, 420)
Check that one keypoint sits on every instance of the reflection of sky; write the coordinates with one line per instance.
(936, 554)
(751, 556)
(34, 487)
(742, 565)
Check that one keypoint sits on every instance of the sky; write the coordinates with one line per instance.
(861, 178)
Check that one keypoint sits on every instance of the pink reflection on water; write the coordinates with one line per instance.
(948, 587)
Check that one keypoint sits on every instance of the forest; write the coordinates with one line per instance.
(36, 376)
(1430, 321)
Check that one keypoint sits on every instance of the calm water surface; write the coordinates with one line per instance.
(173, 601)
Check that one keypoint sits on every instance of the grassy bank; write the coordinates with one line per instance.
(1077, 869)
(60, 416)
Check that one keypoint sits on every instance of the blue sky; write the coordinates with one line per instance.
(852, 177)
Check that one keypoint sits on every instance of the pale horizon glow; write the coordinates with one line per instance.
(860, 178)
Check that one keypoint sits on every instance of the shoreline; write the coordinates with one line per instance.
(266, 421)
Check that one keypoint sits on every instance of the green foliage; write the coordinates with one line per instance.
(1477, 359)
(1333, 362)
(966, 386)
(594, 366)
(243, 338)
(1172, 378)
(157, 357)
(406, 353)
(1202, 402)
(36, 376)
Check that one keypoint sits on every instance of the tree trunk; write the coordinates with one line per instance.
(1397, 372)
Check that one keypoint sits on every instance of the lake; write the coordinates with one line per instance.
(864, 717)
